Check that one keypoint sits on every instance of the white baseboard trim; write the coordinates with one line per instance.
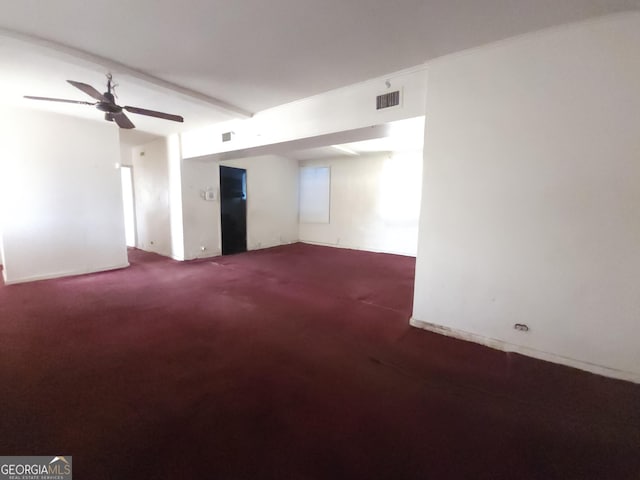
(69, 273)
(351, 247)
(530, 352)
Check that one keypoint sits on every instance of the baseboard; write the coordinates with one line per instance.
(69, 273)
(529, 352)
(351, 247)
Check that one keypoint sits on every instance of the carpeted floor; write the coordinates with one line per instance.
(295, 362)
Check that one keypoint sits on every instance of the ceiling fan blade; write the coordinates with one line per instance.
(89, 90)
(122, 120)
(49, 99)
(153, 113)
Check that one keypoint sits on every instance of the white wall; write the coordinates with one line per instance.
(531, 196)
(61, 196)
(374, 204)
(201, 217)
(1, 243)
(151, 189)
(1, 223)
(272, 203)
(126, 154)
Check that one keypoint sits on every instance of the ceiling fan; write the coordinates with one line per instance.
(106, 103)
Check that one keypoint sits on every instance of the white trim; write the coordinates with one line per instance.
(68, 273)
(351, 247)
(530, 352)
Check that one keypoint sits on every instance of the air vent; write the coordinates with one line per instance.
(391, 99)
(226, 137)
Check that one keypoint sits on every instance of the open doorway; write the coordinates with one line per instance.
(126, 176)
(233, 209)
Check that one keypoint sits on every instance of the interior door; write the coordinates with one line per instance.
(233, 209)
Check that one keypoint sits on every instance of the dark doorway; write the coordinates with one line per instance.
(233, 209)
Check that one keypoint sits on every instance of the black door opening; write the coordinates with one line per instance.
(233, 209)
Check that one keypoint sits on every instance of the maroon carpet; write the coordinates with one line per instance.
(295, 362)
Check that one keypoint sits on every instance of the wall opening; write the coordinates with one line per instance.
(128, 204)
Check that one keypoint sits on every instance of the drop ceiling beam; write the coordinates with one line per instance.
(76, 54)
(284, 148)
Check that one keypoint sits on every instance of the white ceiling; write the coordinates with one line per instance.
(253, 54)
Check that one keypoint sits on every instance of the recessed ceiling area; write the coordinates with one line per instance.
(401, 136)
(251, 54)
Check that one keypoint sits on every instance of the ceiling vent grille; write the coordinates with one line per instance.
(391, 99)
(226, 137)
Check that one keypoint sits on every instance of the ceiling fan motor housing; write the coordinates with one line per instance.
(110, 106)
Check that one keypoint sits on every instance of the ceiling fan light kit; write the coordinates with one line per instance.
(106, 103)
